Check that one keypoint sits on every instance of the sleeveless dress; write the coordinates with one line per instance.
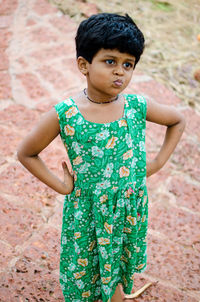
(104, 227)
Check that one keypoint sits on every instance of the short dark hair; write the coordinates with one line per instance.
(109, 31)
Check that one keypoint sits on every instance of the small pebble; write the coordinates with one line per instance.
(197, 75)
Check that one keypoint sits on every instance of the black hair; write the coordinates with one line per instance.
(109, 31)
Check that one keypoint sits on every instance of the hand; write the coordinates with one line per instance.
(68, 183)
(152, 167)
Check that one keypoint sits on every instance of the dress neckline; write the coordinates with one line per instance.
(89, 122)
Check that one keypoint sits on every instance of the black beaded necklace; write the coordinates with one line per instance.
(99, 102)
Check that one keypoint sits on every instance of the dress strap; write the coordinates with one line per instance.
(137, 106)
(136, 121)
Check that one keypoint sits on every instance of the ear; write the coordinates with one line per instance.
(82, 65)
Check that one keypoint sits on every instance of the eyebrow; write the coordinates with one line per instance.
(113, 57)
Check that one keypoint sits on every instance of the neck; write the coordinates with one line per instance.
(98, 101)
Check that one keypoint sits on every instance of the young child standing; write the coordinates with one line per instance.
(105, 214)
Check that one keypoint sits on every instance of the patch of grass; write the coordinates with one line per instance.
(162, 5)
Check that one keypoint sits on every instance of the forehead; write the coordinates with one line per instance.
(115, 53)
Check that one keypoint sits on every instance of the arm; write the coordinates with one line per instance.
(175, 122)
(28, 154)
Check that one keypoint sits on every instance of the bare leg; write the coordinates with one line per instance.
(117, 295)
(121, 291)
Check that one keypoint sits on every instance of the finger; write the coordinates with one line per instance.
(64, 164)
(65, 167)
(66, 171)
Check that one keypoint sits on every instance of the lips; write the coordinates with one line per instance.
(118, 83)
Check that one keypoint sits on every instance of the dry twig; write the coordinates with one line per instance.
(138, 292)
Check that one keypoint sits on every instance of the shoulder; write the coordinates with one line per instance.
(162, 114)
(63, 105)
(65, 109)
(135, 100)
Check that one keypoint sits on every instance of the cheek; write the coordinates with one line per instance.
(96, 73)
(129, 75)
(99, 74)
(127, 79)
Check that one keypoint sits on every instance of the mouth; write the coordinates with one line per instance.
(118, 83)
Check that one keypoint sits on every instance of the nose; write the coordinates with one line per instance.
(118, 70)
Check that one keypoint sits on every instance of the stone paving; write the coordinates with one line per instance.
(37, 69)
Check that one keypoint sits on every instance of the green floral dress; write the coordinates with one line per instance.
(103, 238)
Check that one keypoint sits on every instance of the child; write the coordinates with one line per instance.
(105, 214)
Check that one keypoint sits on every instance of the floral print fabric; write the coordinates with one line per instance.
(103, 238)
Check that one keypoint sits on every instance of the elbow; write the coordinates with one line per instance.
(20, 155)
(24, 156)
(182, 121)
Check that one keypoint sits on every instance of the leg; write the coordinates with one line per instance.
(117, 297)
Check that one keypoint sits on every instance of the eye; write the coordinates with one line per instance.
(110, 62)
(128, 65)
